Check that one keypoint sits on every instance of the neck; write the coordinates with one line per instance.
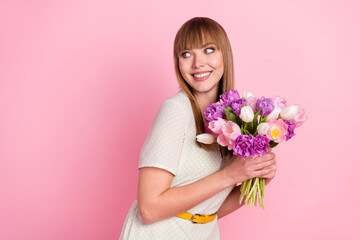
(206, 98)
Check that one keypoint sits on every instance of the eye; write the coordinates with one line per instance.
(185, 54)
(209, 50)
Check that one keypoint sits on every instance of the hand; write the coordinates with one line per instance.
(239, 169)
(268, 177)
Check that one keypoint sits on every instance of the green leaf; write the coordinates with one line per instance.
(258, 112)
(255, 120)
(232, 117)
(228, 111)
(273, 144)
(262, 119)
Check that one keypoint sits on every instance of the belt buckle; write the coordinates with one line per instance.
(196, 214)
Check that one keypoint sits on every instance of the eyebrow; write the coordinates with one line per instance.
(206, 44)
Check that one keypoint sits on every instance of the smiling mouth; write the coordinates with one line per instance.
(201, 75)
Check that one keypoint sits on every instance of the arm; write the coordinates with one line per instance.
(231, 203)
(157, 201)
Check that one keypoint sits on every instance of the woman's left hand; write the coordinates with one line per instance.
(269, 176)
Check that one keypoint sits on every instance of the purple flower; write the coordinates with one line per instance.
(290, 130)
(244, 146)
(230, 96)
(214, 111)
(267, 104)
(261, 145)
(237, 105)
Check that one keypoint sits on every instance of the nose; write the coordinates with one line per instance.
(198, 61)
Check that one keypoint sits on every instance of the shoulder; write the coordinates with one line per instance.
(179, 102)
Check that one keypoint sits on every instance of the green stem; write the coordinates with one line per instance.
(252, 189)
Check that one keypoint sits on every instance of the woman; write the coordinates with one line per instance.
(179, 178)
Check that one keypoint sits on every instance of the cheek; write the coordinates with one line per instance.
(219, 67)
(218, 63)
(183, 67)
(184, 71)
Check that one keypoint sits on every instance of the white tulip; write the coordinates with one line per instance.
(205, 138)
(288, 112)
(247, 114)
(247, 94)
(263, 128)
(274, 114)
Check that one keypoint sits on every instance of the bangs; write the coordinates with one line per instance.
(195, 35)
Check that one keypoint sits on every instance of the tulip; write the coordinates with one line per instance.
(247, 114)
(299, 117)
(246, 95)
(205, 138)
(217, 125)
(225, 142)
(274, 114)
(277, 130)
(231, 130)
(280, 102)
(251, 101)
(222, 141)
(231, 144)
(289, 112)
(263, 128)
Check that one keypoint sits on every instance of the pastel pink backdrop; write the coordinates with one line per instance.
(81, 82)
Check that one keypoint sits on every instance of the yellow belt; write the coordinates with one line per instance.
(197, 218)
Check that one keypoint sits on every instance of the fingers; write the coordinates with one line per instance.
(264, 166)
(268, 172)
(266, 157)
(268, 164)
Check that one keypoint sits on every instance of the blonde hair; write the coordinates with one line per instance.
(193, 34)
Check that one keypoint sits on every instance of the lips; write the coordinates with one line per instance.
(201, 76)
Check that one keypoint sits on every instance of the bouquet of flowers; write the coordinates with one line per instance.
(249, 126)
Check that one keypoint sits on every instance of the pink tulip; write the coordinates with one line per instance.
(251, 102)
(225, 142)
(277, 130)
(299, 117)
(222, 141)
(230, 144)
(280, 102)
(217, 125)
(231, 130)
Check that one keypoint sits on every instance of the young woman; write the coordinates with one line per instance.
(182, 182)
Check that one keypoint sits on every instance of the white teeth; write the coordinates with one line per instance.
(202, 75)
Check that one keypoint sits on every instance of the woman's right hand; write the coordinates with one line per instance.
(239, 169)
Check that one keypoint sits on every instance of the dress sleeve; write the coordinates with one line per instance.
(163, 145)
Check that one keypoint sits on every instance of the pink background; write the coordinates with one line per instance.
(81, 82)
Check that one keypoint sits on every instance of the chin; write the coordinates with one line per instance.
(202, 90)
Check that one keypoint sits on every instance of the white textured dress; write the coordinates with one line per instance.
(171, 145)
